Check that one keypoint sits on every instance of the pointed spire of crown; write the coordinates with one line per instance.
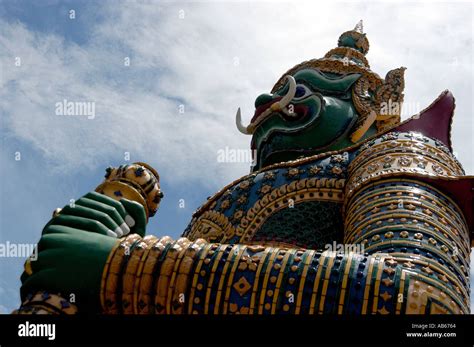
(359, 27)
(355, 39)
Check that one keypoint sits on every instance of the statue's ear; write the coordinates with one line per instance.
(379, 103)
(393, 86)
(390, 94)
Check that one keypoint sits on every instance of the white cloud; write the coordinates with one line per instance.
(192, 61)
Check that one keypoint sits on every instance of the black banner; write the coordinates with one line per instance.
(290, 330)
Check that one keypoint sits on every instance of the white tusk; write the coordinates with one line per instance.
(291, 92)
(238, 121)
(277, 106)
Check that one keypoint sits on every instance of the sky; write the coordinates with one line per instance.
(166, 79)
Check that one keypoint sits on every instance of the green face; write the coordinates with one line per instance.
(319, 118)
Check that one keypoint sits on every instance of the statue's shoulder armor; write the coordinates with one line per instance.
(413, 158)
(398, 154)
(293, 203)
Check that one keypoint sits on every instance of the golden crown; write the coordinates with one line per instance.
(371, 94)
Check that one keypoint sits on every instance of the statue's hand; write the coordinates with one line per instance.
(101, 214)
(70, 262)
(74, 247)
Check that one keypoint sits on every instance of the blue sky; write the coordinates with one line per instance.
(211, 57)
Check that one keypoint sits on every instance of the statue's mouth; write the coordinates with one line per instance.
(262, 108)
(278, 104)
(299, 112)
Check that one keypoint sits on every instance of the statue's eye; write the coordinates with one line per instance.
(301, 91)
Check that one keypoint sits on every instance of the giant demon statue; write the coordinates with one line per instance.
(334, 166)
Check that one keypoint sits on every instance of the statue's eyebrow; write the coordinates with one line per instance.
(331, 82)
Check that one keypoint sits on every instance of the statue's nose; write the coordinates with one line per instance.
(263, 99)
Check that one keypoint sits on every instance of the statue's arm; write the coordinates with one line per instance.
(415, 257)
(163, 276)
